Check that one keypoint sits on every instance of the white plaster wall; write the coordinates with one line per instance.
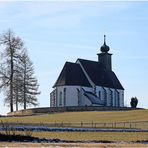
(72, 95)
(84, 100)
(121, 94)
(99, 88)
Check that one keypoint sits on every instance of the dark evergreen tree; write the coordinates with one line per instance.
(134, 102)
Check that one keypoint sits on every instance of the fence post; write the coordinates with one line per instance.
(92, 124)
(130, 125)
(115, 125)
(81, 123)
(104, 124)
(124, 124)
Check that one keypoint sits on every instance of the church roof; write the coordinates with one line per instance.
(100, 75)
(72, 74)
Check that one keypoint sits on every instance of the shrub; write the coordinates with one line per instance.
(134, 102)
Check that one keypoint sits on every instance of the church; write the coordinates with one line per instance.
(88, 83)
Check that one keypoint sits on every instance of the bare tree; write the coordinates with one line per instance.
(11, 46)
(29, 82)
(17, 84)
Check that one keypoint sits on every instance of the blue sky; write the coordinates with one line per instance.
(56, 32)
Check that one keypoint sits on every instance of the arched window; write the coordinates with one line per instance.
(64, 96)
(60, 101)
(118, 99)
(99, 94)
(111, 97)
(105, 96)
(115, 98)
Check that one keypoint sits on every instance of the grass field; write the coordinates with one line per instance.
(74, 145)
(74, 117)
(94, 116)
(90, 136)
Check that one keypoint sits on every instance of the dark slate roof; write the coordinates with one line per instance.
(72, 74)
(99, 75)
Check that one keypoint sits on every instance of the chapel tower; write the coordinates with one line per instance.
(104, 57)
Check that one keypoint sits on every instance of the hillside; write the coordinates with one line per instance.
(91, 116)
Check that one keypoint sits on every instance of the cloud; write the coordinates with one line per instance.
(58, 14)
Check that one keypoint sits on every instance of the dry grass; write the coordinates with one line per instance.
(95, 116)
(74, 117)
(80, 145)
(89, 136)
(92, 136)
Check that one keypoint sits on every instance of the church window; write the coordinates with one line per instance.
(105, 96)
(118, 99)
(94, 89)
(64, 96)
(99, 95)
(115, 98)
(111, 98)
(60, 102)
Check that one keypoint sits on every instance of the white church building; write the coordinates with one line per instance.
(88, 83)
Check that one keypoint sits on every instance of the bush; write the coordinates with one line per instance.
(134, 102)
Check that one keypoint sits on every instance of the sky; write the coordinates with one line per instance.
(58, 31)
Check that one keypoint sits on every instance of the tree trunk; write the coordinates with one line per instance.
(16, 100)
(11, 83)
(25, 88)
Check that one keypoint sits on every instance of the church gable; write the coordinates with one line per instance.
(72, 74)
(100, 75)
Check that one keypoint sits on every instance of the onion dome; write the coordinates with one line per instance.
(104, 47)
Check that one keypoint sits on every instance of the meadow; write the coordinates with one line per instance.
(139, 116)
(77, 117)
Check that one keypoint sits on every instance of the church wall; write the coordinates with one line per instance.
(72, 96)
(111, 99)
(121, 95)
(84, 100)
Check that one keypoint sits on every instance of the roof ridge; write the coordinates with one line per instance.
(87, 60)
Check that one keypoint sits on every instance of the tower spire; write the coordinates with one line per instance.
(104, 48)
(104, 57)
(104, 39)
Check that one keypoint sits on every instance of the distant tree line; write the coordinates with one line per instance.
(17, 80)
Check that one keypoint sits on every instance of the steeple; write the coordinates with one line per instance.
(104, 47)
(104, 57)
